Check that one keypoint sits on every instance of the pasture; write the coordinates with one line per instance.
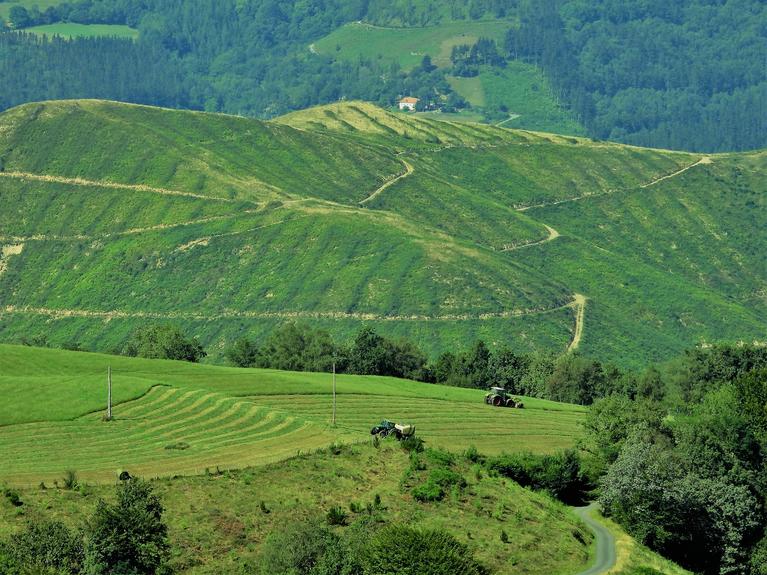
(176, 418)
(520, 89)
(407, 46)
(71, 30)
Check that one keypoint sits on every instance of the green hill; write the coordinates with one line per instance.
(118, 215)
(218, 524)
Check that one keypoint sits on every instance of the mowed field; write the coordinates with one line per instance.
(72, 30)
(408, 46)
(175, 418)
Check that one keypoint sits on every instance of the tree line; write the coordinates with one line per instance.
(568, 377)
(682, 459)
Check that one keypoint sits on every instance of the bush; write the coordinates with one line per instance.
(559, 474)
(13, 497)
(43, 547)
(128, 536)
(438, 483)
(446, 478)
(164, 342)
(336, 516)
(304, 549)
(242, 353)
(428, 491)
(407, 551)
(70, 479)
(413, 444)
(440, 457)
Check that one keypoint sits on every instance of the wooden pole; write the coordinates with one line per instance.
(334, 394)
(109, 393)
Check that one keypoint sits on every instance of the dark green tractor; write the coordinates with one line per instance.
(499, 397)
(398, 430)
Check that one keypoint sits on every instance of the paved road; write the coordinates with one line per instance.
(606, 555)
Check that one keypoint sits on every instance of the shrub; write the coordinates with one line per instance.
(304, 548)
(446, 478)
(336, 516)
(559, 474)
(472, 454)
(440, 457)
(13, 497)
(164, 342)
(44, 547)
(407, 551)
(70, 479)
(413, 444)
(428, 491)
(128, 536)
(242, 353)
(180, 446)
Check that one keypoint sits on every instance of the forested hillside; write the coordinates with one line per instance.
(687, 75)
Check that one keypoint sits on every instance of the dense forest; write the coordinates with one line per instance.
(688, 74)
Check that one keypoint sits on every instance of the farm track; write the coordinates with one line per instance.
(128, 232)
(113, 186)
(408, 171)
(232, 314)
(553, 234)
(580, 311)
(701, 161)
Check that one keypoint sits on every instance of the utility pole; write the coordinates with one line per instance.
(109, 393)
(334, 393)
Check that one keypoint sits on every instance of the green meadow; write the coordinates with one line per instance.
(73, 30)
(407, 46)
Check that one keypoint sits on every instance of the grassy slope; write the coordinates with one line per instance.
(227, 225)
(71, 30)
(230, 417)
(407, 46)
(215, 524)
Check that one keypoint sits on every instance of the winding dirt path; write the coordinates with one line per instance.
(233, 314)
(111, 186)
(553, 234)
(701, 161)
(579, 304)
(408, 170)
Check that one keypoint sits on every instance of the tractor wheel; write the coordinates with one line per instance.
(497, 401)
(511, 403)
(375, 430)
(398, 434)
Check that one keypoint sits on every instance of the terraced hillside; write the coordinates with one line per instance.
(119, 215)
(176, 418)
